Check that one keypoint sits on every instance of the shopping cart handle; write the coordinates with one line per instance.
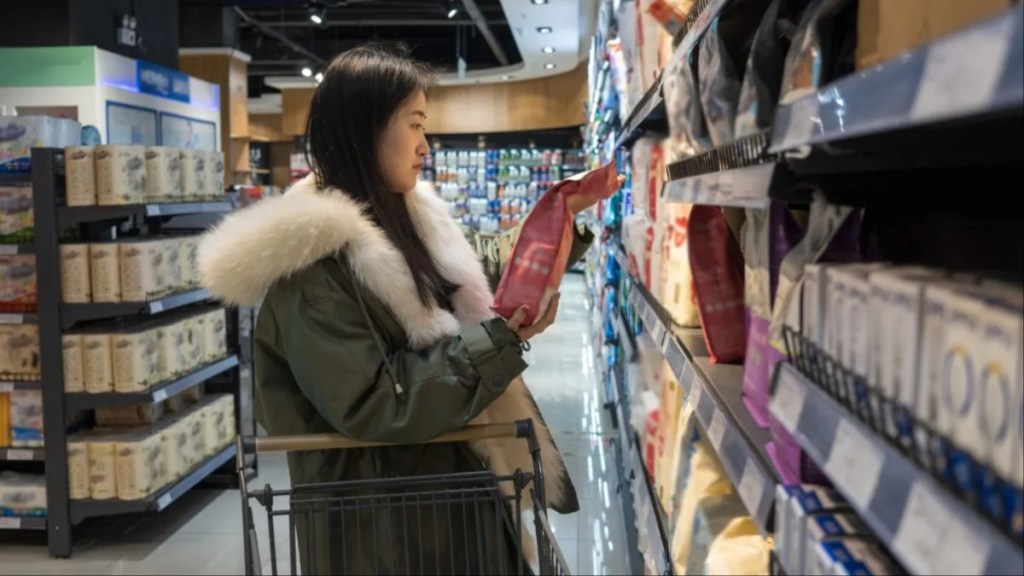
(304, 442)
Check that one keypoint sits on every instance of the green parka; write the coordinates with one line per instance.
(343, 344)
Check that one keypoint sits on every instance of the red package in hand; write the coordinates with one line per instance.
(541, 254)
(717, 266)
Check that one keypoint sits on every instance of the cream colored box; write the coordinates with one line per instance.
(19, 351)
(78, 467)
(171, 340)
(190, 260)
(105, 271)
(163, 174)
(97, 363)
(80, 174)
(215, 334)
(226, 425)
(75, 277)
(137, 459)
(177, 459)
(120, 174)
(102, 466)
(213, 420)
(74, 370)
(136, 357)
(214, 173)
(193, 342)
(173, 279)
(140, 265)
(196, 438)
(193, 173)
(130, 415)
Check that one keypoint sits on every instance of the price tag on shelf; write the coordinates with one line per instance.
(156, 307)
(160, 395)
(751, 487)
(695, 393)
(6, 386)
(19, 454)
(8, 249)
(716, 430)
(856, 462)
(164, 501)
(787, 404)
(12, 318)
(10, 523)
(932, 537)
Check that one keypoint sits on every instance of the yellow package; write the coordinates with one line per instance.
(5, 419)
(707, 478)
(714, 514)
(739, 549)
(668, 420)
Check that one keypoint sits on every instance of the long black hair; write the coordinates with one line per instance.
(361, 89)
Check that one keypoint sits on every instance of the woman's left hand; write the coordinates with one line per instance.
(579, 203)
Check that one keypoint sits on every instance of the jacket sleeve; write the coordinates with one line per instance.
(350, 382)
(496, 250)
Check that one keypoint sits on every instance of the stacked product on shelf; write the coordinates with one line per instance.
(22, 495)
(20, 134)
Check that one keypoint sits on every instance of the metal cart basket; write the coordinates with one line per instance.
(409, 518)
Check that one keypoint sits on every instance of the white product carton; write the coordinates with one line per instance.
(215, 336)
(171, 341)
(1001, 386)
(193, 330)
(785, 534)
(853, 556)
(813, 303)
(19, 351)
(120, 175)
(189, 247)
(26, 413)
(177, 458)
(937, 299)
(829, 527)
(102, 466)
(78, 467)
(214, 173)
(75, 277)
(193, 174)
(80, 173)
(74, 369)
(136, 358)
(105, 271)
(809, 500)
(163, 174)
(173, 281)
(97, 363)
(140, 266)
(197, 439)
(137, 460)
(958, 385)
(22, 494)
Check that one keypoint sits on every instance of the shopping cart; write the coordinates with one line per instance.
(405, 514)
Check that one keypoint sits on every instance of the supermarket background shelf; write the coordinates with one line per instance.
(13, 523)
(86, 401)
(926, 528)
(716, 392)
(18, 318)
(82, 509)
(656, 521)
(10, 249)
(22, 454)
(15, 179)
(649, 113)
(74, 313)
(12, 385)
(72, 215)
(972, 73)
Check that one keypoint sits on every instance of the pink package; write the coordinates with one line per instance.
(534, 273)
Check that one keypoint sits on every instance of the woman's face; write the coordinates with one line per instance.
(404, 144)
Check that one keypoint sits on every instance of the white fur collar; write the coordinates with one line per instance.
(287, 234)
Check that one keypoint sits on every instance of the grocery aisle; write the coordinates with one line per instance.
(200, 534)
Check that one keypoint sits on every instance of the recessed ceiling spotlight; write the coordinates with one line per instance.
(544, 29)
(319, 77)
(539, 2)
(548, 49)
(307, 71)
(549, 66)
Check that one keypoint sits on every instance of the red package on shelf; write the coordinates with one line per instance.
(717, 266)
(541, 253)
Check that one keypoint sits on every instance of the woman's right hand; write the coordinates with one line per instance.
(515, 322)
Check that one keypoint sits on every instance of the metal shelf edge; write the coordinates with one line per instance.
(82, 509)
(86, 401)
(747, 187)
(74, 313)
(22, 523)
(12, 454)
(923, 544)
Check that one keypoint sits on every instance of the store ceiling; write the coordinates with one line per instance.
(498, 39)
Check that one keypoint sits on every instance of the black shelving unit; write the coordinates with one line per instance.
(230, 374)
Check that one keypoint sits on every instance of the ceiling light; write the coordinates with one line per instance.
(539, 2)
(317, 13)
(319, 77)
(548, 50)
(453, 13)
(316, 18)
(307, 72)
(544, 29)
(549, 66)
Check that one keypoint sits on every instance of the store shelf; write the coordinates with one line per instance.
(12, 249)
(648, 113)
(22, 455)
(10, 523)
(743, 187)
(8, 318)
(716, 392)
(73, 215)
(73, 313)
(706, 10)
(12, 385)
(925, 526)
(15, 179)
(86, 401)
(82, 509)
(973, 73)
(655, 522)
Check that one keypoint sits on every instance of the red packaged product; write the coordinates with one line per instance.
(717, 266)
(541, 254)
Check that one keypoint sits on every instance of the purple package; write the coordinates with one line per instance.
(833, 236)
(770, 235)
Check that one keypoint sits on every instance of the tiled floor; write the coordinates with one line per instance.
(201, 533)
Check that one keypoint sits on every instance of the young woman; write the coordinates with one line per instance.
(375, 322)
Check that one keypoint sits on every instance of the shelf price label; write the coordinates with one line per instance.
(751, 487)
(787, 403)
(10, 523)
(6, 386)
(164, 501)
(160, 395)
(716, 430)
(156, 307)
(12, 318)
(935, 540)
(856, 461)
(16, 454)
(8, 249)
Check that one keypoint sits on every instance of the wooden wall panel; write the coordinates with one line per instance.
(238, 97)
(539, 104)
(267, 128)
